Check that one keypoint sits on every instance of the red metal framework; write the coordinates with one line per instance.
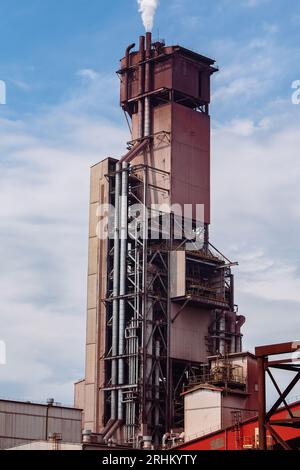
(265, 367)
(226, 439)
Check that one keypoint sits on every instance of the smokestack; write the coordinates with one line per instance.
(148, 85)
(141, 87)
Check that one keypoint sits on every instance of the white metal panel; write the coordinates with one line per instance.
(177, 274)
(202, 413)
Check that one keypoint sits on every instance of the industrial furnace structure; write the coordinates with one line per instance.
(160, 296)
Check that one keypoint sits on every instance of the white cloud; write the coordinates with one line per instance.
(244, 127)
(44, 189)
(88, 73)
(256, 218)
(21, 84)
(246, 73)
(271, 28)
(254, 3)
(269, 278)
(251, 3)
(240, 88)
(250, 79)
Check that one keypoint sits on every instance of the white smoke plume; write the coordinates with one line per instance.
(148, 8)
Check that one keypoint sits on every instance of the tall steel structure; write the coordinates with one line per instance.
(160, 296)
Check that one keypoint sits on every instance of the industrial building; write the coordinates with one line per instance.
(165, 366)
(216, 417)
(27, 423)
(244, 435)
(160, 295)
(214, 401)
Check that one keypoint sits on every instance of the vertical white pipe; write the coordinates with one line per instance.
(141, 118)
(147, 117)
(147, 130)
(222, 335)
(123, 272)
(141, 87)
(116, 276)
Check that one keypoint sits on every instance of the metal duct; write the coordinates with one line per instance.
(147, 117)
(134, 151)
(141, 87)
(231, 321)
(112, 430)
(240, 322)
(222, 335)
(116, 277)
(148, 85)
(233, 335)
(127, 55)
(123, 272)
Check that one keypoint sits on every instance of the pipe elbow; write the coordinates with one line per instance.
(241, 320)
(129, 48)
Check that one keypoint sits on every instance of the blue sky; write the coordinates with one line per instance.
(44, 43)
(58, 59)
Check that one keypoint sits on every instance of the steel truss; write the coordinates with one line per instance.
(150, 393)
(265, 367)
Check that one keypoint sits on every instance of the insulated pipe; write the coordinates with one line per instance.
(141, 118)
(123, 270)
(147, 441)
(231, 318)
(116, 277)
(112, 430)
(127, 55)
(141, 87)
(147, 117)
(233, 336)
(222, 326)
(148, 85)
(240, 322)
(157, 355)
(148, 57)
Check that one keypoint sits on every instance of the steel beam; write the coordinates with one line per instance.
(276, 349)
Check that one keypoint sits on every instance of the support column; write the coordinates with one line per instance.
(261, 362)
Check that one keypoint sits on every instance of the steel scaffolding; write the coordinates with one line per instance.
(143, 383)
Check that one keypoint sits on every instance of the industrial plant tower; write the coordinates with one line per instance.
(160, 296)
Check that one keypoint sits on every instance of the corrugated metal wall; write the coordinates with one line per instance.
(21, 423)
